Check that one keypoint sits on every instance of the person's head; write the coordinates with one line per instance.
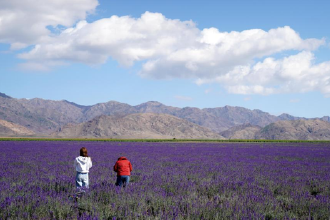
(83, 152)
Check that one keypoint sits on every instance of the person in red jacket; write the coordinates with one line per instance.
(123, 169)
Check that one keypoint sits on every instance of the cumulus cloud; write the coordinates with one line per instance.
(25, 22)
(214, 53)
(125, 39)
(167, 48)
(296, 73)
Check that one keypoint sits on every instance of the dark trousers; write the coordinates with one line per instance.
(122, 181)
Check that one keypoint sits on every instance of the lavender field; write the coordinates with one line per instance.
(169, 181)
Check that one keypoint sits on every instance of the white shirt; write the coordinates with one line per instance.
(82, 164)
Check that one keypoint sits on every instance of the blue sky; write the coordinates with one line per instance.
(272, 56)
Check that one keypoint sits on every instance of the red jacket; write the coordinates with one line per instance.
(123, 167)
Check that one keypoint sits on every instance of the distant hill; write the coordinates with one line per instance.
(38, 115)
(287, 117)
(245, 131)
(47, 116)
(11, 129)
(4, 95)
(325, 118)
(300, 129)
(140, 125)
(296, 130)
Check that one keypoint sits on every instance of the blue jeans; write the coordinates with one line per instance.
(82, 180)
(122, 180)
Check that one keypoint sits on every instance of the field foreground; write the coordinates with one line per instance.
(169, 181)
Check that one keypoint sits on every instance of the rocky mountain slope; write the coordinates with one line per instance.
(245, 131)
(47, 116)
(11, 129)
(140, 125)
(301, 129)
(41, 116)
(296, 130)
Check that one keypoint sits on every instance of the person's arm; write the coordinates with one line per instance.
(90, 162)
(130, 166)
(115, 167)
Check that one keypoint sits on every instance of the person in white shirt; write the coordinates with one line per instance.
(82, 164)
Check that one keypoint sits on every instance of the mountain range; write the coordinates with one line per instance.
(148, 120)
(138, 126)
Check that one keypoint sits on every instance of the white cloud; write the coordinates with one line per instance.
(25, 22)
(183, 98)
(125, 39)
(168, 48)
(295, 73)
(214, 53)
(295, 100)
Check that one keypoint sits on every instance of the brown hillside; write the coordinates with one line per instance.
(141, 125)
(11, 129)
(296, 130)
(246, 131)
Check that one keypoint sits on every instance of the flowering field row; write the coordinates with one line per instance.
(169, 181)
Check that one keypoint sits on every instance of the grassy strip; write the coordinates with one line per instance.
(160, 140)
